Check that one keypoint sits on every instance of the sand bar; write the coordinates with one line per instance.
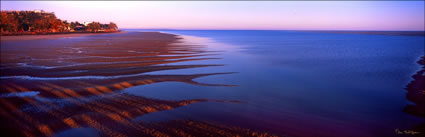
(50, 36)
(75, 84)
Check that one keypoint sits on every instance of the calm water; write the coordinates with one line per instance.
(284, 82)
(297, 83)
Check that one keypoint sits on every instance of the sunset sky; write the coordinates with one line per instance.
(271, 15)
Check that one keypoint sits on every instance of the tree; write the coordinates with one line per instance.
(67, 26)
(31, 21)
(94, 26)
(112, 26)
(8, 22)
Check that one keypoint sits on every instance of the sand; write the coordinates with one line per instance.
(78, 84)
(50, 36)
(416, 92)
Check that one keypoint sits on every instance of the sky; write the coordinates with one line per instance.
(234, 15)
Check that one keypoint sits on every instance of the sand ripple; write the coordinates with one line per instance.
(51, 86)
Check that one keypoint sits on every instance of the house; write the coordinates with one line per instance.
(38, 11)
(80, 28)
(87, 23)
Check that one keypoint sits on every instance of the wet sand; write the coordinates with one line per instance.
(48, 86)
(50, 36)
(416, 94)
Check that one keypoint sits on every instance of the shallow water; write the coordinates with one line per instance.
(298, 83)
(283, 82)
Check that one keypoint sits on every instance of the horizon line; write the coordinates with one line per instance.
(272, 29)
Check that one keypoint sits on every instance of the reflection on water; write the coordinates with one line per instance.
(71, 86)
(301, 83)
(280, 82)
(81, 132)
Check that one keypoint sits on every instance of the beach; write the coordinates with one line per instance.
(212, 83)
(49, 36)
(49, 86)
(212, 69)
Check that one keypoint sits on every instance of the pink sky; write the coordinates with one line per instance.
(275, 15)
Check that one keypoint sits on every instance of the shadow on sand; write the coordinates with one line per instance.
(76, 84)
(416, 94)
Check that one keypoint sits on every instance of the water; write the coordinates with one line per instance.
(283, 82)
(81, 132)
(297, 83)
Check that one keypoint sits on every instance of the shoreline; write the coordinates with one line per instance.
(124, 62)
(53, 36)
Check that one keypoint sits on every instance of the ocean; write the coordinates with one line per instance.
(295, 83)
(210, 82)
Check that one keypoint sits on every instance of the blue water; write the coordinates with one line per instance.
(297, 83)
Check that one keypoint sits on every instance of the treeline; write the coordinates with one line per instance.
(38, 21)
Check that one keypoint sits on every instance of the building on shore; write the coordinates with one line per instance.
(39, 21)
(87, 23)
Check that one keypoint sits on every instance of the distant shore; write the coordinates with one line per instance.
(53, 35)
(395, 33)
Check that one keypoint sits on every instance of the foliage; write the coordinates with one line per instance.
(36, 21)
